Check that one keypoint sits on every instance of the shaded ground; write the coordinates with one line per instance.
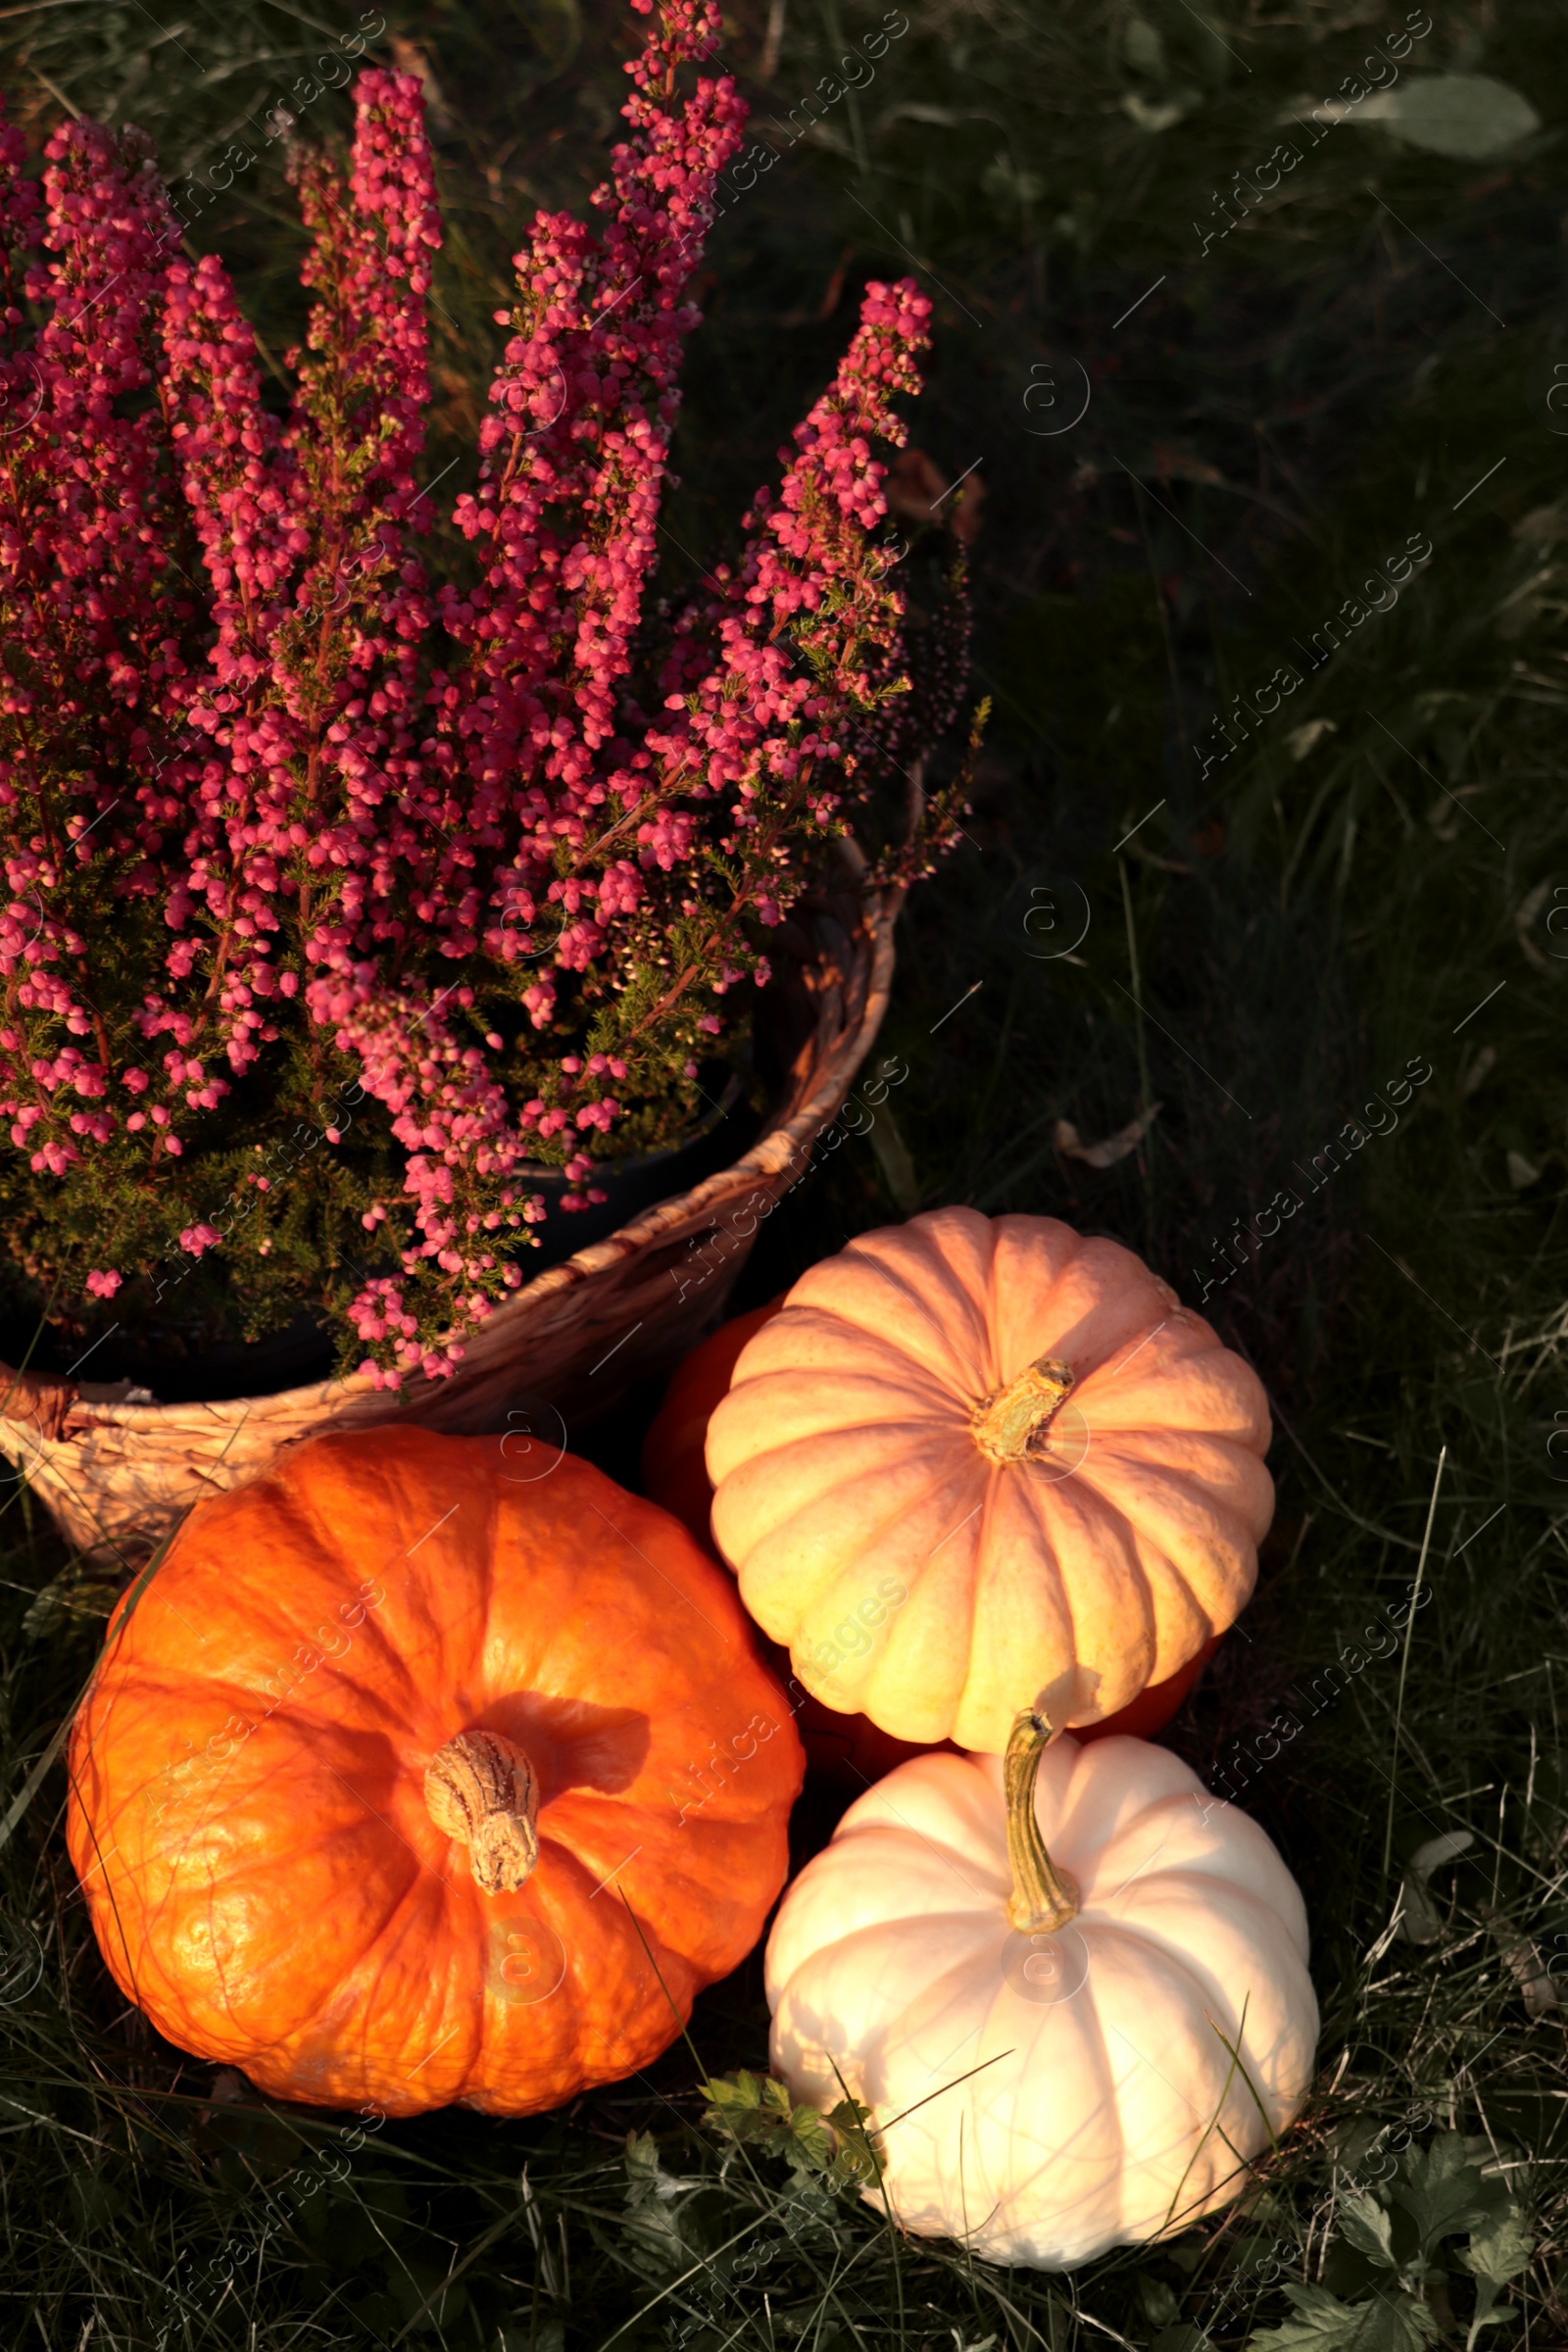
(1368, 881)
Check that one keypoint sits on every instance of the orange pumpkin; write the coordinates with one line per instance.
(674, 1471)
(1147, 1715)
(403, 1779)
(981, 1465)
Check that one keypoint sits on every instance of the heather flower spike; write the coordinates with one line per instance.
(458, 876)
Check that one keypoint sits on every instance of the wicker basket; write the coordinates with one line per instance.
(117, 1475)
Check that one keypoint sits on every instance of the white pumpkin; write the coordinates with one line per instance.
(1070, 1985)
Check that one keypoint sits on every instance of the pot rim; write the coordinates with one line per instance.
(119, 1474)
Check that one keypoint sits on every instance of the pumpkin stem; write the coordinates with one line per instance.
(1012, 1423)
(1044, 1898)
(482, 1788)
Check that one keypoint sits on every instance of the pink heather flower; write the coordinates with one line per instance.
(343, 802)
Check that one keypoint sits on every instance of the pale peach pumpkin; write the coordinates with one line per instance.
(978, 1464)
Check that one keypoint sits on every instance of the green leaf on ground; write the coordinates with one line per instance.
(663, 2231)
(1368, 2227)
(1467, 116)
(1500, 2250)
(1444, 2190)
(1323, 2324)
(757, 2110)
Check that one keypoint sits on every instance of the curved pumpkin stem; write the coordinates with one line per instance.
(1011, 1424)
(1044, 1898)
(482, 1788)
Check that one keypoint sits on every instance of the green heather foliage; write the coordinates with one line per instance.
(1373, 876)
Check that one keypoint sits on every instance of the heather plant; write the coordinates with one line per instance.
(461, 879)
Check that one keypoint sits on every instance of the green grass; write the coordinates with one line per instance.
(1273, 943)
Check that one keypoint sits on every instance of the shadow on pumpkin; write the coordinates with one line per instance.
(572, 1744)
